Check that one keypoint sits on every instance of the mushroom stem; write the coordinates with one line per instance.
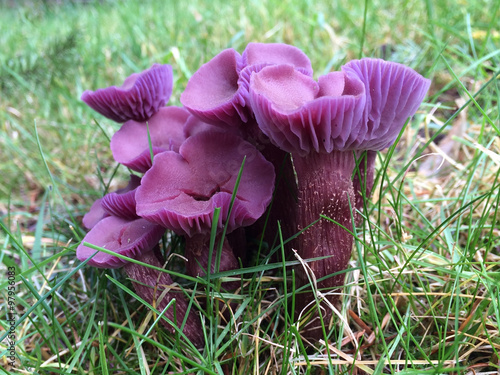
(325, 188)
(284, 203)
(151, 284)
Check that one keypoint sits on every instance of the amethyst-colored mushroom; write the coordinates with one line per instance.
(137, 239)
(130, 144)
(139, 98)
(218, 92)
(126, 237)
(323, 124)
(182, 190)
(120, 203)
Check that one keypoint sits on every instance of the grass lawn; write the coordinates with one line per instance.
(422, 295)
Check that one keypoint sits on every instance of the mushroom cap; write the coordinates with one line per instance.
(94, 215)
(121, 203)
(130, 144)
(139, 98)
(212, 93)
(361, 108)
(393, 94)
(125, 237)
(300, 115)
(181, 191)
(259, 55)
(218, 92)
(276, 54)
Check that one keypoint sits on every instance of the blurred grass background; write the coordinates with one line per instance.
(443, 228)
(52, 51)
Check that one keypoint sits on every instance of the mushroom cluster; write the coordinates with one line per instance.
(254, 128)
(189, 169)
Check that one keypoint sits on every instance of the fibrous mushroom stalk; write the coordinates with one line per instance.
(155, 287)
(325, 193)
(284, 203)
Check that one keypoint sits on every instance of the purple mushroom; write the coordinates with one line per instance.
(218, 93)
(120, 203)
(126, 237)
(182, 190)
(137, 239)
(323, 124)
(139, 98)
(130, 144)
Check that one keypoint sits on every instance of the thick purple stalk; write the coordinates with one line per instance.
(150, 284)
(325, 188)
(363, 179)
(284, 203)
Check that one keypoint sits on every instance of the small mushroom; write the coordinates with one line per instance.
(139, 98)
(323, 124)
(182, 190)
(120, 203)
(136, 239)
(126, 237)
(218, 92)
